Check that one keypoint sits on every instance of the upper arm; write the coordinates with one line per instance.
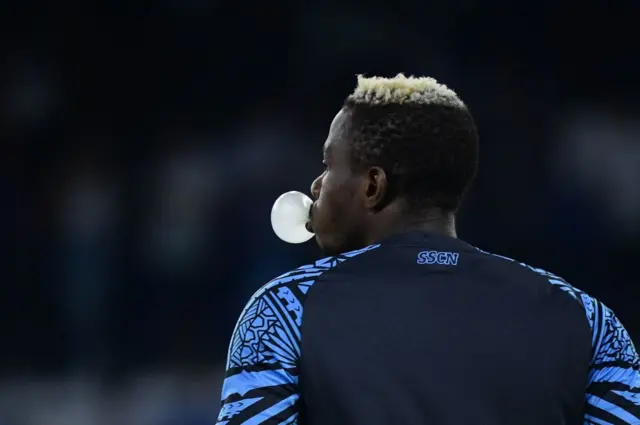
(613, 391)
(261, 377)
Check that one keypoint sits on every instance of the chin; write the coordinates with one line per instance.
(327, 247)
(333, 248)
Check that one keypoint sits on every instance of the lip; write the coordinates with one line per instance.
(308, 225)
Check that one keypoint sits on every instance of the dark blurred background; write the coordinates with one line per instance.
(143, 144)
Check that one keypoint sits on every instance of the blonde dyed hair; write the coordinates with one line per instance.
(403, 90)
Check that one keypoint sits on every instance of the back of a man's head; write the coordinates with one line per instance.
(420, 133)
(400, 151)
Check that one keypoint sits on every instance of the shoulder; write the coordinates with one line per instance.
(584, 300)
(294, 285)
(268, 331)
(610, 340)
(304, 276)
(547, 276)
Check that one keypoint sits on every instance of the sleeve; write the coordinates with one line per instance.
(613, 391)
(261, 377)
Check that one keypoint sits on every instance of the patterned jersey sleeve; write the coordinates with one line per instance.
(613, 391)
(261, 378)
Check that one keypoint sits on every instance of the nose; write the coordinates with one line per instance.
(315, 187)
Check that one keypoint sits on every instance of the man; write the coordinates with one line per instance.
(410, 325)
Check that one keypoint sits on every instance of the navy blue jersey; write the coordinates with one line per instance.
(427, 329)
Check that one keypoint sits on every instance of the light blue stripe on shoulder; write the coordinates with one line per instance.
(229, 410)
(631, 397)
(304, 286)
(269, 413)
(310, 268)
(596, 421)
(331, 262)
(287, 277)
(291, 420)
(614, 410)
(357, 252)
(612, 374)
(244, 381)
(290, 276)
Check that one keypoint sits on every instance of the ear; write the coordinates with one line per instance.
(377, 188)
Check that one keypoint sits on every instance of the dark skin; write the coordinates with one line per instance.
(350, 210)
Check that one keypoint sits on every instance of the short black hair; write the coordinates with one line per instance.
(428, 149)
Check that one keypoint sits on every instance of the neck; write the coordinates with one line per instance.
(393, 221)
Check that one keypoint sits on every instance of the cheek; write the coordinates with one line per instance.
(337, 197)
(331, 189)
